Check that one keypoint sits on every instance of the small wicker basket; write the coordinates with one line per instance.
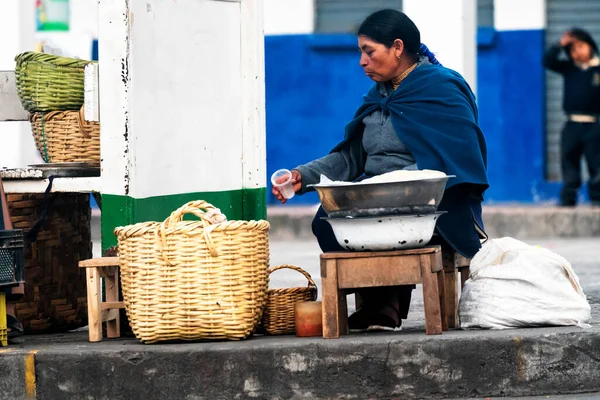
(192, 280)
(46, 82)
(279, 315)
(65, 136)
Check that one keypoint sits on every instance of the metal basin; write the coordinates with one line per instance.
(384, 233)
(373, 199)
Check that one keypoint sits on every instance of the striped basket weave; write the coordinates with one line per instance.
(279, 316)
(46, 82)
(192, 280)
(65, 136)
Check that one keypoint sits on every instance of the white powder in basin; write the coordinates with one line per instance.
(394, 176)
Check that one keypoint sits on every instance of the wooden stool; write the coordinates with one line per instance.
(342, 272)
(454, 264)
(103, 311)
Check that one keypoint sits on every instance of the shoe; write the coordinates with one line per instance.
(359, 320)
(382, 322)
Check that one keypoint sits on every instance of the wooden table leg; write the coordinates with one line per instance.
(111, 283)
(331, 300)
(94, 299)
(431, 298)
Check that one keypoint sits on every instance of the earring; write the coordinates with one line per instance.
(398, 57)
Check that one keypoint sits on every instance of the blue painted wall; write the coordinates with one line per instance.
(314, 84)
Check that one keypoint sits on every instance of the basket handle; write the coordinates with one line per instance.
(85, 127)
(311, 283)
(208, 214)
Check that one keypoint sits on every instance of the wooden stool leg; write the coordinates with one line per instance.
(111, 283)
(441, 276)
(343, 313)
(439, 266)
(94, 299)
(335, 314)
(431, 297)
(464, 275)
(451, 297)
(358, 300)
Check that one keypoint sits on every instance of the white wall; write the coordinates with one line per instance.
(514, 15)
(17, 35)
(176, 106)
(283, 17)
(450, 32)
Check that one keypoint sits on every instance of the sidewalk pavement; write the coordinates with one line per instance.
(399, 365)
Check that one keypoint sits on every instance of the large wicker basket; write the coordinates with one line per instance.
(279, 314)
(55, 297)
(46, 82)
(192, 280)
(65, 136)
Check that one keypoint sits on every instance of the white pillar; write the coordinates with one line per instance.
(289, 17)
(181, 108)
(515, 15)
(17, 32)
(449, 29)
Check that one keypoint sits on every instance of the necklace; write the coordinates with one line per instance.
(396, 81)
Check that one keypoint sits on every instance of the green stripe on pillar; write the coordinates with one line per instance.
(241, 204)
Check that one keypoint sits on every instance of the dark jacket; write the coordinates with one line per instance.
(581, 84)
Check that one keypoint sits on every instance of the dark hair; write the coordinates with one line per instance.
(584, 36)
(385, 26)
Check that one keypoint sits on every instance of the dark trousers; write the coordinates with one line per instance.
(580, 140)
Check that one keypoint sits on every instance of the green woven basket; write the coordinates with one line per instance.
(46, 82)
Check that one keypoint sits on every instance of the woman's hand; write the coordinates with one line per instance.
(296, 182)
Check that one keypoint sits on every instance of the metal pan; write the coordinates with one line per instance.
(396, 232)
(373, 199)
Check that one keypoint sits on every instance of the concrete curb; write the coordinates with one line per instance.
(519, 222)
(383, 366)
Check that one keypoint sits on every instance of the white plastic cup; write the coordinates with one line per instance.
(282, 180)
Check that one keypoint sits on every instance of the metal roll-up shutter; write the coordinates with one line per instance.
(345, 16)
(485, 13)
(563, 15)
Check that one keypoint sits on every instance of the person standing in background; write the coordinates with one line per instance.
(575, 57)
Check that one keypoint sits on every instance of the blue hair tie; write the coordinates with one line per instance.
(424, 50)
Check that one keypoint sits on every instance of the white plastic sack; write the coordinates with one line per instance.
(513, 285)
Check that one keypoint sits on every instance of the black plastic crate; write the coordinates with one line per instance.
(12, 257)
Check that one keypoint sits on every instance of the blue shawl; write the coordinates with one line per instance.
(434, 114)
